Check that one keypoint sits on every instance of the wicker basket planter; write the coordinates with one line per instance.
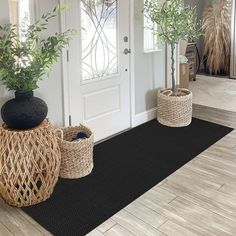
(29, 164)
(174, 111)
(77, 156)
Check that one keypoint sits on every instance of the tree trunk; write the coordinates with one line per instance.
(173, 68)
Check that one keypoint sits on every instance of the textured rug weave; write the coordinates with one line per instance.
(125, 167)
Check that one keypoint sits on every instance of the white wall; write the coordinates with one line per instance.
(149, 68)
(4, 16)
(50, 89)
(4, 19)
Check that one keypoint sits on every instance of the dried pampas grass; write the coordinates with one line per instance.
(216, 28)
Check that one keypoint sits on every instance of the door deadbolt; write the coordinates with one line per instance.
(126, 39)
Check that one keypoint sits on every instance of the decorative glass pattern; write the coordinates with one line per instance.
(19, 12)
(99, 38)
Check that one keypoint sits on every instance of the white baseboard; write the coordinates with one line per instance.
(144, 117)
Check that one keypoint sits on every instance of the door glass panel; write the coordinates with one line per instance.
(99, 38)
(19, 12)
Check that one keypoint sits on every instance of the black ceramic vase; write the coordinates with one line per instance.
(24, 111)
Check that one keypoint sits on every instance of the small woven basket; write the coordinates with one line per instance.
(76, 156)
(174, 111)
(29, 164)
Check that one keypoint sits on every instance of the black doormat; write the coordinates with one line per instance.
(125, 167)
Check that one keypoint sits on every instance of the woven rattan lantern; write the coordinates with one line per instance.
(29, 164)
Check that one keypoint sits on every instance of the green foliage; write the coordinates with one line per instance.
(175, 20)
(25, 57)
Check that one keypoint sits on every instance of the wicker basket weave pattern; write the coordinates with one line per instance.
(29, 164)
(77, 156)
(174, 111)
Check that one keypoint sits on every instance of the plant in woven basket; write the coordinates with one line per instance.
(216, 31)
(175, 21)
(25, 58)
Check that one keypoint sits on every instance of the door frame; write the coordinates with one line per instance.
(64, 71)
(233, 37)
(65, 76)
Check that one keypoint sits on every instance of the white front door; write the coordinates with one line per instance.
(98, 65)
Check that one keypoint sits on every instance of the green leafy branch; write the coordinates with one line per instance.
(176, 21)
(25, 57)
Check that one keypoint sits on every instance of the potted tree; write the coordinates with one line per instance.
(175, 21)
(25, 58)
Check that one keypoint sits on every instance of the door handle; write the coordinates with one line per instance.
(127, 51)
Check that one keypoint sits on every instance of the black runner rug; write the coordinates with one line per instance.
(125, 167)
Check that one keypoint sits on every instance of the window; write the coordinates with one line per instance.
(151, 43)
(19, 11)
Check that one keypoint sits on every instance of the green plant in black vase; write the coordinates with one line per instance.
(175, 21)
(25, 58)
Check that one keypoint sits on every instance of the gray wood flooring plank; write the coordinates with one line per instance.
(191, 172)
(227, 154)
(199, 216)
(33, 222)
(160, 194)
(229, 188)
(135, 225)
(95, 232)
(118, 230)
(173, 229)
(4, 231)
(173, 215)
(217, 116)
(219, 166)
(14, 221)
(194, 182)
(208, 200)
(146, 214)
(106, 225)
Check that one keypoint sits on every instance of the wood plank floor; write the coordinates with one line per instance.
(214, 115)
(197, 200)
